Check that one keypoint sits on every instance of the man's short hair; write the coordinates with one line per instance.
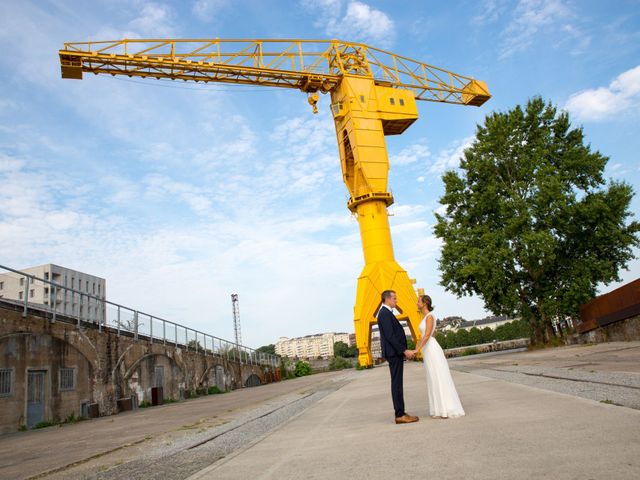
(387, 294)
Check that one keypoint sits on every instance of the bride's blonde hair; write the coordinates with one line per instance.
(426, 299)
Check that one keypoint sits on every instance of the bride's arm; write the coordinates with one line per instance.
(428, 327)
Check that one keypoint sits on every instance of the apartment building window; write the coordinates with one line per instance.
(67, 379)
(32, 292)
(73, 282)
(99, 289)
(1, 285)
(20, 296)
(6, 384)
(46, 275)
(46, 290)
(87, 286)
(22, 281)
(94, 288)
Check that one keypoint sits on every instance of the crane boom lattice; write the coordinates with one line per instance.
(307, 65)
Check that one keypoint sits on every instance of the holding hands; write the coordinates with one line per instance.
(410, 354)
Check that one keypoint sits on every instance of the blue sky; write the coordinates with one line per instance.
(180, 194)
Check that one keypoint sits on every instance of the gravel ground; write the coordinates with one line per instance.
(619, 388)
(181, 457)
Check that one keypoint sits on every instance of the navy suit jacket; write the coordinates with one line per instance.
(392, 338)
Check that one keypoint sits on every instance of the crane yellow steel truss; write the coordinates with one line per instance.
(373, 94)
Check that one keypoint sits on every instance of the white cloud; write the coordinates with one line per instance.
(154, 20)
(205, 10)
(490, 11)
(360, 22)
(531, 18)
(449, 158)
(621, 96)
(411, 154)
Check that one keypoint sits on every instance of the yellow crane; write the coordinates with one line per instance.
(373, 94)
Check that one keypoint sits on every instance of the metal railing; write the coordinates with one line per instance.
(69, 304)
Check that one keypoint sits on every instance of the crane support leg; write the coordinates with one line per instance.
(363, 114)
(381, 272)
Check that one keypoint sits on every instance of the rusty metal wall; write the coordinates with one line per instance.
(621, 303)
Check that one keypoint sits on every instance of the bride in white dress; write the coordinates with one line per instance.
(443, 397)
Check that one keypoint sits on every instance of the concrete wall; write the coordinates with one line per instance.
(108, 367)
(489, 347)
(623, 331)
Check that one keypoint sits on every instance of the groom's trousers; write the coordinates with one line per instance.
(396, 368)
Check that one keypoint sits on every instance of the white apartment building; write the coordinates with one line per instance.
(376, 349)
(73, 300)
(491, 322)
(311, 346)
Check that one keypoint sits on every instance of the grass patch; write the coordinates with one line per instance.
(610, 402)
(214, 390)
(144, 404)
(170, 400)
(43, 425)
(470, 351)
(73, 419)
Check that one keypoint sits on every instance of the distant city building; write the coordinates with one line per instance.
(13, 286)
(311, 346)
(491, 322)
(449, 323)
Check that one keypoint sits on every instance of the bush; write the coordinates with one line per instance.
(302, 369)
(338, 363)
(145, 403)
(214, 390)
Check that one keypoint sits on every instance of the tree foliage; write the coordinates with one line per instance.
(475, 336)
(531, 225)
(341, 349)
(271, 348)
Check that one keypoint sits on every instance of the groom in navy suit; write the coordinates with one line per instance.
(394, 349)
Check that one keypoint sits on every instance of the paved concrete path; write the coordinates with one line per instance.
(510, 431)
(27, 454)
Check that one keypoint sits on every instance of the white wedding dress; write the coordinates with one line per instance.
(443, 397)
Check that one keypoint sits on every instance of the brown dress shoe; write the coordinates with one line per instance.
(406, 419)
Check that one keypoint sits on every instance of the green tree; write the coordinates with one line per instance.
(475, 336)
(302, 369)
(488, 335)
(271, 348)
(530, 225)
(340, 349)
